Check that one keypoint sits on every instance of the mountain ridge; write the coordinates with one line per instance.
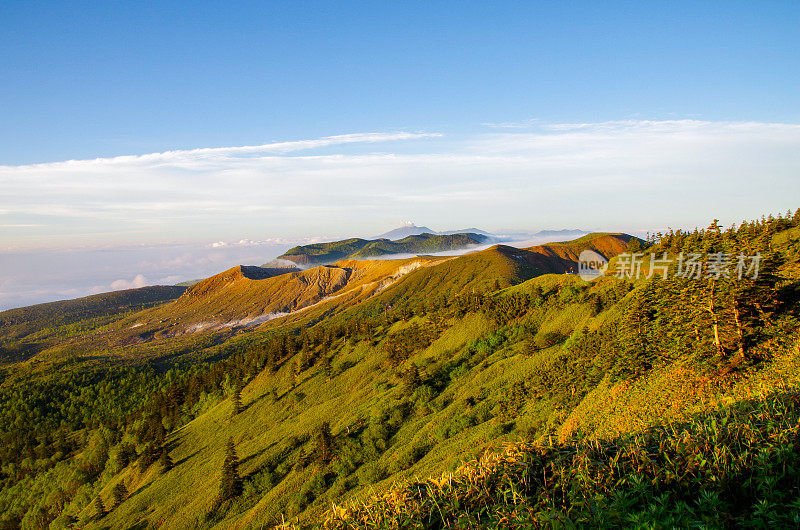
(384, 372)
(357, 248)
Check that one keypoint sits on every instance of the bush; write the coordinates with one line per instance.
(549, 339)
(370, 473)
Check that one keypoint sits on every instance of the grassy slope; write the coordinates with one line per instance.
(17, 323)
(728, 468)
(358, 386)
(439, 429)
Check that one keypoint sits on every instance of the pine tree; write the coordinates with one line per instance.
(327, 369)
(754, 300)
(165, 460)
(236, 398)
(119, 493)
(99, 508)
(324, 449)
(515, 400)
(635, 337)
(272, 361)
(411, 377)
(124, 455)
(230, 483)
(634, 245)
(596, 305)
(148, 456)
(153, 428)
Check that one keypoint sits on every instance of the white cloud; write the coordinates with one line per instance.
(34, 276)
(270, 241)
(176, 158)
(138, 281)
(611, 174)
(169, 280)
(524, 124)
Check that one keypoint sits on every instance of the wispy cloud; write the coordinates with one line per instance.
(613, 174)
(524, 124)
(175, 157)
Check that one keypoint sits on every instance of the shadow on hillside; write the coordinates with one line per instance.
(186, 458)
(19, 352)
(257, 454)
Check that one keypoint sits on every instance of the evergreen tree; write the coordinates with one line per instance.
(272, 361)
(153, 428)
(634, 245)
(236, 398)
(230, 483)
(124, 455)
(148, 456)
(99, 508)
(596, 305)
(411, 377)
(515, 400)
(165, 460)
(753, 301)
(325, 364)
(324, 449)
(636, 341)
(119, 493)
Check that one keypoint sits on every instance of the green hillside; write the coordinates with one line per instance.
(480, 391)
(16, 323)
(26, 331)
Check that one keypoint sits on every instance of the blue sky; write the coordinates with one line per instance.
(198, 135)
(88, 79)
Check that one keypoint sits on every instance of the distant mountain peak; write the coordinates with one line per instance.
(563, 232)
(407, 229)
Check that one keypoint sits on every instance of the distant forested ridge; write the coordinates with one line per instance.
(323, 253)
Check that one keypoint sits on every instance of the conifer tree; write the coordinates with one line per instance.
(236, 398)
(119, 493)
(99, 508)
(165, 460)
(516, 399)
(634, 245)
(230, 483)
(325, 364)
(272, 361)
(324, 449)
(753, 300)
(148, 456)
(411, 377)
(596, 305)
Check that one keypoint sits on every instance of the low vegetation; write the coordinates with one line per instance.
(620, 402)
